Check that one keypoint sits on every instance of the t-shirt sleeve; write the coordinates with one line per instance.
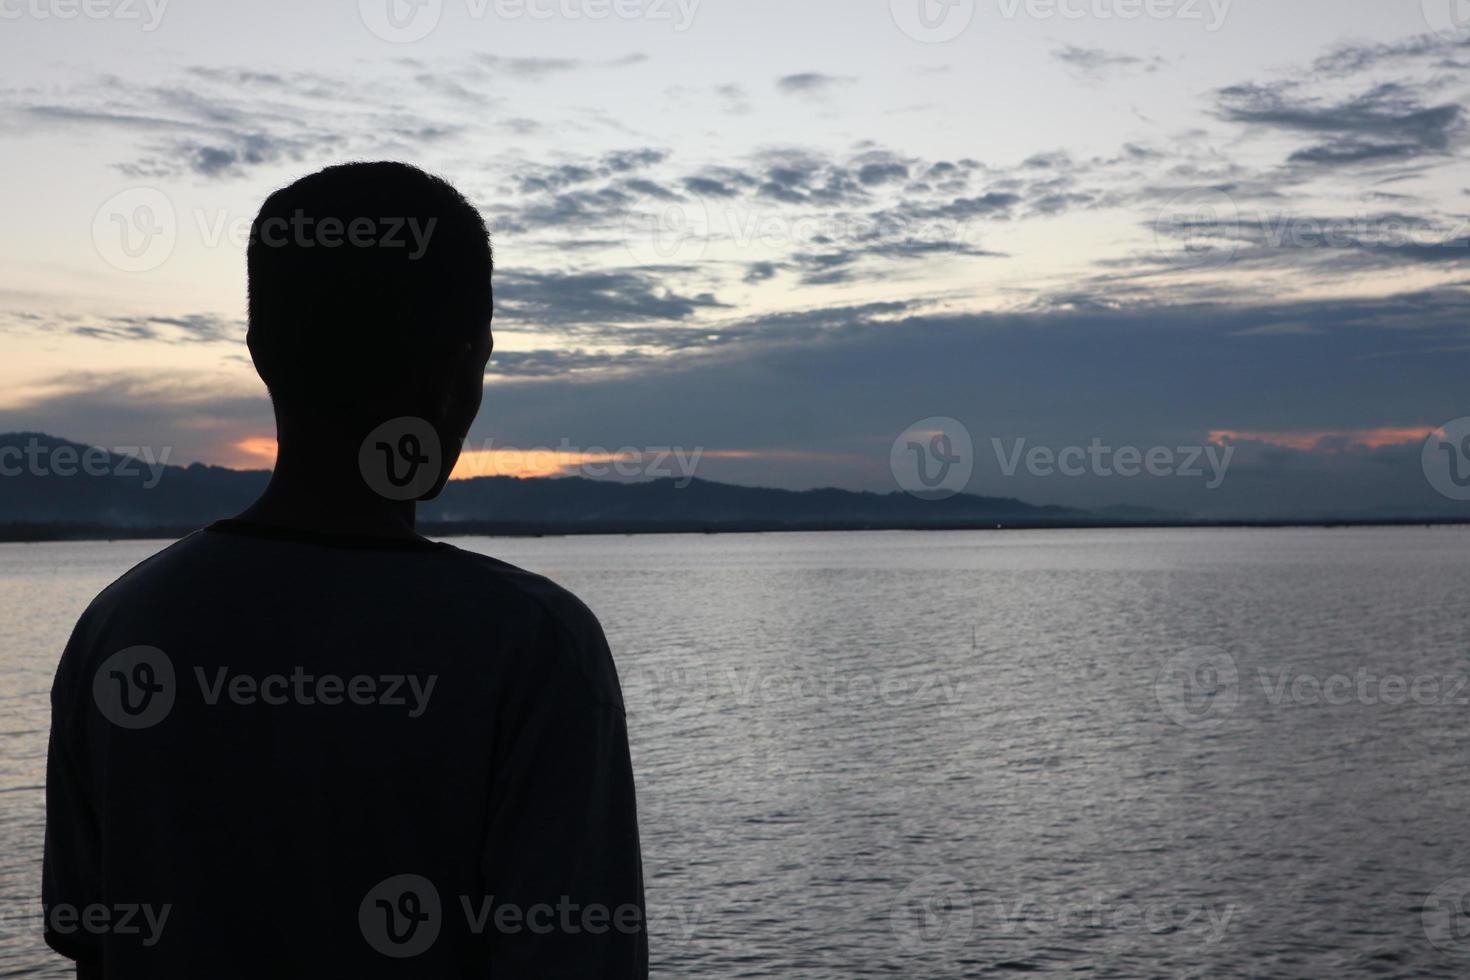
(71, 872)
(562, 860)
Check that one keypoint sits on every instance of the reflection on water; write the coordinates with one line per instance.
(1214, 752)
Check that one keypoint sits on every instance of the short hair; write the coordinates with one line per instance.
(359, 274)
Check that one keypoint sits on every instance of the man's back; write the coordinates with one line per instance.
(280, 754)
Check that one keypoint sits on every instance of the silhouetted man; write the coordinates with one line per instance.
(308, 742)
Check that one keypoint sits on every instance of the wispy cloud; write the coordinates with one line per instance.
(1388, 123)
(1099, 63)
(810, 83)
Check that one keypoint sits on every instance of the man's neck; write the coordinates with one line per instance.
(324, 492)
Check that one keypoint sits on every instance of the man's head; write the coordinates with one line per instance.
(370, 300)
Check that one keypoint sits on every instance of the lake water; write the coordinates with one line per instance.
(1107, 753)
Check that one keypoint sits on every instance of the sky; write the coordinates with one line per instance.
(791, 235)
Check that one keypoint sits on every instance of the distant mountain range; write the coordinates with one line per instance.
(72, 491)
(82, 492)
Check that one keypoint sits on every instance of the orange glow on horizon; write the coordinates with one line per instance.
(526, 464)
(1329, 440)
(257, 448)
(252, 452)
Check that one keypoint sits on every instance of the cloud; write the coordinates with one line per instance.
(536, 68)
(995, 203)
(222, 122)
(1387, 123)
(1316, 245)
(229, 133)
(649, 188)
(1143, 375)
(733, 99)
(1423, 49)
(625, 161)
(198, 328)
(761, 271)
(544, 363)
(838, 265)
(192, 415)
(710, 187)
(872, 174)
(1098, 63)
(810, 83)
(551, 299)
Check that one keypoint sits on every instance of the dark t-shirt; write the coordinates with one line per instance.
(283, 755)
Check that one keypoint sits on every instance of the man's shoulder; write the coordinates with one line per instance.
(569, 630)
(142, 591)
(207, 556)
(560, 604)
(560, 634)
(147, 576)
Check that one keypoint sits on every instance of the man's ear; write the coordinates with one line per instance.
(259, 358)
(430, 386)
